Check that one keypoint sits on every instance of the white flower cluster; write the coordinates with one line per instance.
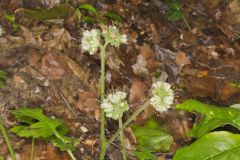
(115, 104)
(112, 35)
(163, 96)
(91, 41)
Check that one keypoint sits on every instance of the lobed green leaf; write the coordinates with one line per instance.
(213, 146)
(151, 138)
(211, 116)
(88, 7)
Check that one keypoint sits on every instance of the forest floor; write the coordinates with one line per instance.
(46, 67)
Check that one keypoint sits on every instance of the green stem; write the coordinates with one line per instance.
(5, 136)
(122, 140)
(102, 83)
(125, 124)
(186, 22)
(71, 155)
(64, 141)
(32, 150)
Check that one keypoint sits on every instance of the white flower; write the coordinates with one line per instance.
(163, 96)
(112, 35)
(91, 41)
(124, 38)
(115, 104)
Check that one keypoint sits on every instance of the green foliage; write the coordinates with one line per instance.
(95, 16)
(236, 85)
(58, 12)
(213, 146)
(1, 158)
(113, 16)
(210, 117)
(89, 8)
(36, 125)
(11, 19)
(174, 13)
(151, 138)
(6, 139)
(3, 78)
(145, 154)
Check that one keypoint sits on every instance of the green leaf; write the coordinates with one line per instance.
(37, 125)
(89, 8)
(1, 158)
(11, 19)
(3, 75)
(174, 6)
(152, 138)
(211, 116)
(58, 12)
(174, 13)
(113, 16)
(87, 19)
(213, 146)
(43, 127)
(145, 155)
(63, 146)
(3, 78)
(174, 16)
(236, 84)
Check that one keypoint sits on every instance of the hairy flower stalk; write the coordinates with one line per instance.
(162, 99)
(114, 106)
(91, 42)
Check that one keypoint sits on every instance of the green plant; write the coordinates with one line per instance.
(3, 78)
(34, 124)
(157, 88)
(57, 12)
(216, 145)
(95, 16)
(220, 145)
(151, 138)
(11, 19)
(175, 13)
(235, 84)
(114, 105)
(91, 42)
(210, 117)
(6, 138)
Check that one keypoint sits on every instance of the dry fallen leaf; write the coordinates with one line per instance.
(87, 102)
(54, 66)
(90, 142)
(137, 92)
(182, 59)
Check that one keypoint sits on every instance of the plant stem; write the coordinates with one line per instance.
(102, 83)
(186, 22)
(32, 150)
(122, 140)
(125, 124)
(5, 136)
(71, 155)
